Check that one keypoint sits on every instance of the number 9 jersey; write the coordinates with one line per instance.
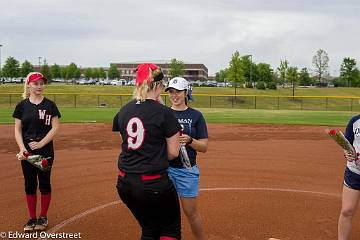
(144, 127)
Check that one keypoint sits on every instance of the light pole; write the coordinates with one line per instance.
(250, 77)
(0, 64)
(39, 64)
(251, 70)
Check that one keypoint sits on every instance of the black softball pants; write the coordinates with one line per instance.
(154, 203)
(31, 176)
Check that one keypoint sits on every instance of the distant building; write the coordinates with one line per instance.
(193, 72)
(211, 78)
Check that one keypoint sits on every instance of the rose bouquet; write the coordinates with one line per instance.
(38, 161)
(184, 155)
(341, 140)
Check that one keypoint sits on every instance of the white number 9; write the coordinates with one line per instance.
(136, 138)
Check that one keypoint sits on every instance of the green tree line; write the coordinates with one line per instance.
(13, 69)
(242, 71)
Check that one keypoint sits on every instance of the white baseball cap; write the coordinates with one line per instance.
(178, 83)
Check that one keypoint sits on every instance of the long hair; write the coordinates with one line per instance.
(26, 93)
(149, 76)
(141, 92)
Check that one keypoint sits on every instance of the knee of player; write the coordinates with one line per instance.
(30, 188)
(348, 212)
(45, 189)
(190, 213)
(30, 191)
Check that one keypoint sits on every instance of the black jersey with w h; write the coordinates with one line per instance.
(35, 118)
(144, 127)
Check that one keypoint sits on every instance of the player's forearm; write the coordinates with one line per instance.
(173, 146)
(49, 136)
(172, 156)
(19, 140)
(199, 145)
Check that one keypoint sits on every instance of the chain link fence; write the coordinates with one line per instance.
(319, 103)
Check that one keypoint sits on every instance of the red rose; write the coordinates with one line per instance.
(332, 132)
(44, 163)
(26, 154)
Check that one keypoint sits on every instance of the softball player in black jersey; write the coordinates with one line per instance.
(36, 124)
(150, 136)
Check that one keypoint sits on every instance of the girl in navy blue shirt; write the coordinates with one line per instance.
(195, 138)
(351, 188)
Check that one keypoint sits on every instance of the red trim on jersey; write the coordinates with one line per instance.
(150, 177)
(143, 177)
(167, 238)
(121, 173)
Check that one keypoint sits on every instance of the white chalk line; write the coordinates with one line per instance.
(78, 216)
(272, 189)
(95, 209)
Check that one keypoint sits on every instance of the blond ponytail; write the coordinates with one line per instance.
(141, 92)
(26, 93)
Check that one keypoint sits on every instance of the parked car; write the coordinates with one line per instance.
(211, 83)
(115, 83)
(131, 83)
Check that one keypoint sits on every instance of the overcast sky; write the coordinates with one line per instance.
(94, 33)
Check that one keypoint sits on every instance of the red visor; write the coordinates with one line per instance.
(35, 76)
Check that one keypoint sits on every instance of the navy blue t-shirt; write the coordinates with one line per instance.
(194, 125)
(352, 134)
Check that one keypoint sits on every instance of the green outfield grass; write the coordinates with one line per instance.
(214, 115)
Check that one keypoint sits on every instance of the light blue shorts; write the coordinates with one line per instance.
(186, 181)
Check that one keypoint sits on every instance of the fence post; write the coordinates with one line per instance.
(301, 104)
(98, 98)
(54, 98)
(121, 101)
(232, 101)
(351, 105)
(255, 102)
(278, 102)
(326, 106)
(210, 101)
(75, 100)
(10, 100)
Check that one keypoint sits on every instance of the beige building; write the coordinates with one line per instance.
(193, 72)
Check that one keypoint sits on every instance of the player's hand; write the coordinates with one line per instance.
(35, 145)
(184, 139)
(21, 155)
(349, 157)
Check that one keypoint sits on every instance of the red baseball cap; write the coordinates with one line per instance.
(35, 76)
(143, 73)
